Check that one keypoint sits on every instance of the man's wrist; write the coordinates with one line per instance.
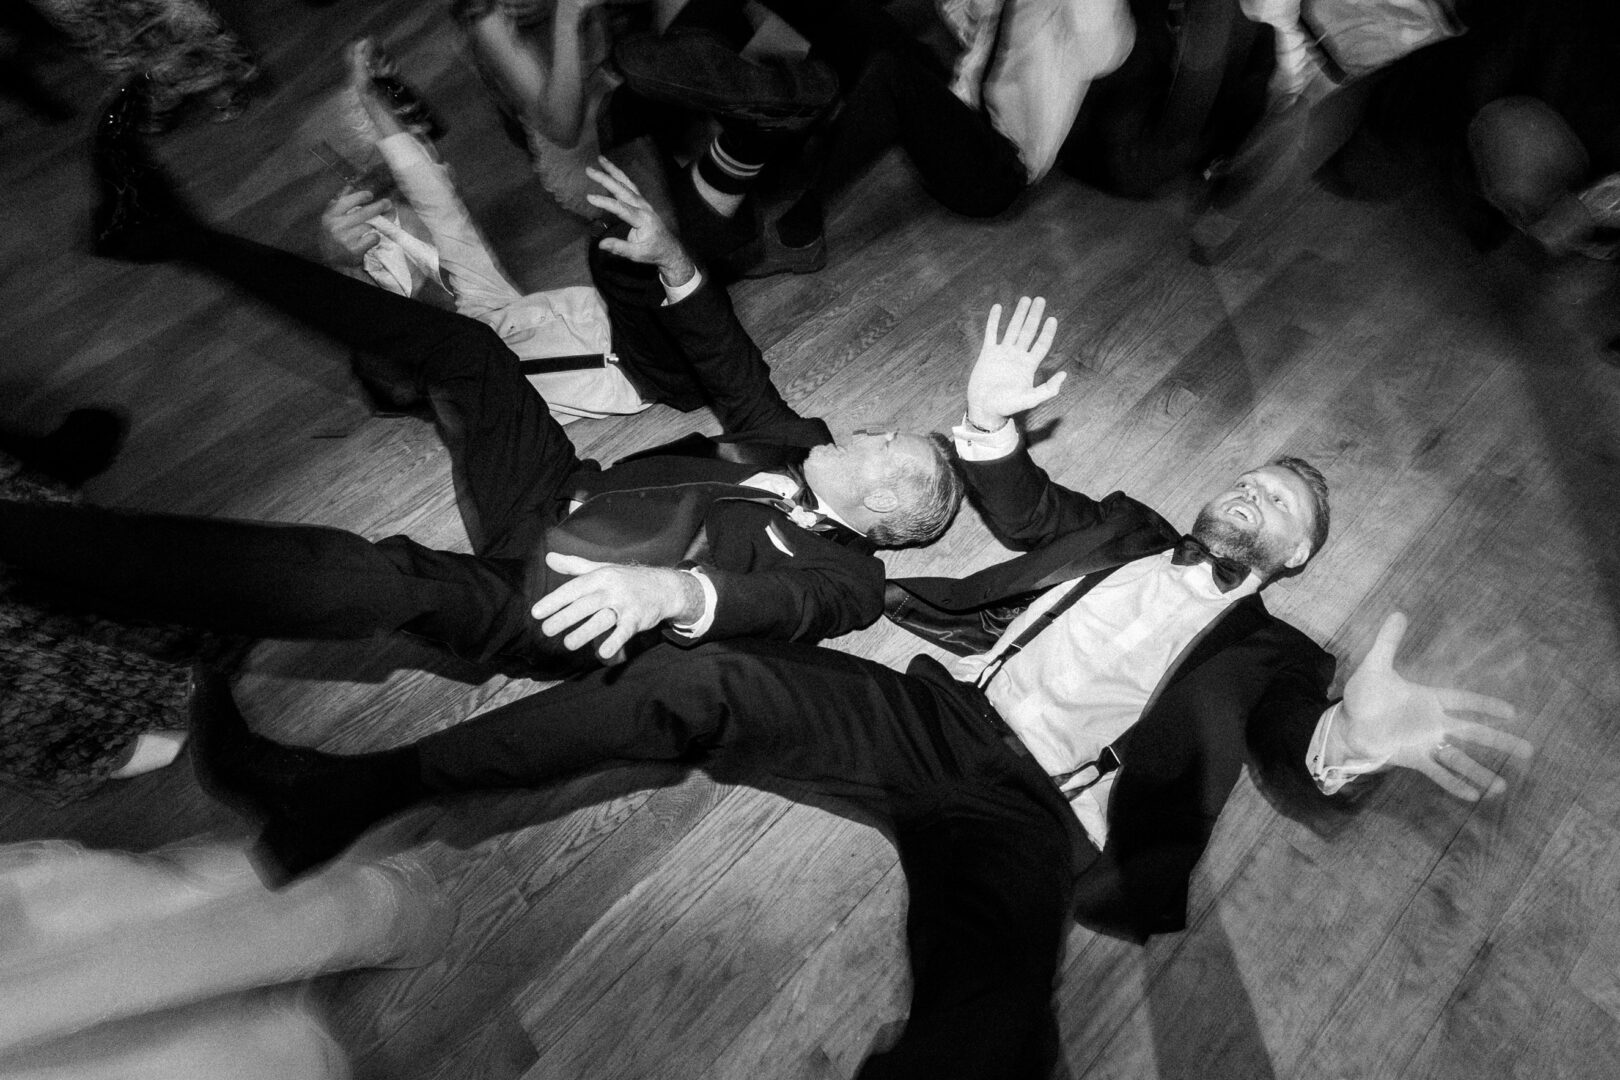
(688, 598)
(677, 270)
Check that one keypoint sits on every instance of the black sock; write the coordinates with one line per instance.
(733, 160)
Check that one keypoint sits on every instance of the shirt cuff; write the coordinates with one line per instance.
(1327, 760)
(975, 445)
(699, 626)
(674, 294)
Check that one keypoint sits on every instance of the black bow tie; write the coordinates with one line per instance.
(1228, 573)
(804, 497)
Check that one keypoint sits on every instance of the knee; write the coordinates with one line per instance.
(1525, 156)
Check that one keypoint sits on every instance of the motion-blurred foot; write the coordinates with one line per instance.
(312, 805)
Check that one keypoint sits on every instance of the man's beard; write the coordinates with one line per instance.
(1228, 540)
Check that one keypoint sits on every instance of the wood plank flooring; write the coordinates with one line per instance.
(649, 924)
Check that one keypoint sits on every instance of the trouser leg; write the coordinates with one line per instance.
(264, 580)
(988, 862)
(961, 158)
(987, 909)
(511, 460)
(741, 708)
(699, 356)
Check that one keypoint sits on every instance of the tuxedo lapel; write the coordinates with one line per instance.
(1156, 731)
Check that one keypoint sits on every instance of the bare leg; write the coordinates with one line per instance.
(69, 978)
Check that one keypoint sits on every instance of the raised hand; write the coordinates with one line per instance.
(1390, 718)
(651, 241)
(614, 599)
(345, 235)
(1002, 383)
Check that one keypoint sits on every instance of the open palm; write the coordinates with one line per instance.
(1404, 723)
(1002, 382)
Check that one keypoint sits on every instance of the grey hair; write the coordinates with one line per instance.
(929, 495)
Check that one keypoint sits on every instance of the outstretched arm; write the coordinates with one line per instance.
(1391, 721)
(1019, 501)
(651, 241)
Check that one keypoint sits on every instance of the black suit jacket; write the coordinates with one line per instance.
(685, 504)
(1250, 681)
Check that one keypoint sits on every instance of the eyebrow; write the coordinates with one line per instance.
(1275, 487)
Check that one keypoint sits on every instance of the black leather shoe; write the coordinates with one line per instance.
(767, 254)
(138, 212)
(81, 447)
(312, 806)
(700, 70)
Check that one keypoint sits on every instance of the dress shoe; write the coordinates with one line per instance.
(81, 447)
(313, 806)
(138, 214)
(767, 254)
(700, 70)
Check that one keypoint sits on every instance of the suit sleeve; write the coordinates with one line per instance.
(775, 580)
(1279, 736)
(732, 371)
(1023, 506)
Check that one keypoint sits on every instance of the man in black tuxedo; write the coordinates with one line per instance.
(773, 526)
(1076, 762)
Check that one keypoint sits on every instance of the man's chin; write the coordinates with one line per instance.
(1226, 538)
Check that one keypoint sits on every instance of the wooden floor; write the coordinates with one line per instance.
(651, 925)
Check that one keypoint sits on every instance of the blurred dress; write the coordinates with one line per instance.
(77, 690)
(180, 965)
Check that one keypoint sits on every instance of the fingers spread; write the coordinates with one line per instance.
(1495, 738)
(1468, 701)
(1387, 643)
(1049, 389)
(1450, 781)
(1032, 323)
(1043, 344)
(618, 175)
(1480, 780)
(618, 209)
(1015, 325)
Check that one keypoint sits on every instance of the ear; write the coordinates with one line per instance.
(1299, 556)
(881, 501)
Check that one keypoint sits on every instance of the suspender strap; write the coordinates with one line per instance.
(1041, 622)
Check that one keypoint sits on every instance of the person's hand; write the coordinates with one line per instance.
(1389, 718)
(1002, 382)
(345, 235)
(651, 241)
(605, 597)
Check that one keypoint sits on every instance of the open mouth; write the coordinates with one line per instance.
(1244, 513)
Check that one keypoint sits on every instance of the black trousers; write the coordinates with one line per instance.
(989, 848)
(894, 91)
(514, 468)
